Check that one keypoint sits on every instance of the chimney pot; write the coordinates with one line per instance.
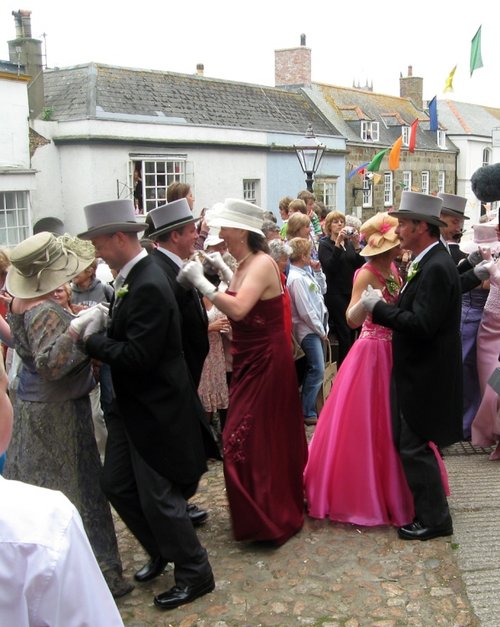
(410, 70)
(200, 69)
(302, 40)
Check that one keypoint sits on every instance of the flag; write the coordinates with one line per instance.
(395, 154)
(355, 171)
(475, 52)
(376, 179)
(448, 85)
(374, 164)
(433, 115)
(413, 136)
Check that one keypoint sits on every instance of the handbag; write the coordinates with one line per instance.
(297, 351)
(328, 377)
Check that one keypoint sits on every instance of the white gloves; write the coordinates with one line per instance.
(475, 257)
(356, 314)
(191, 275)
(370, 297)
(89, 321)
(223, 270)
(482, 269)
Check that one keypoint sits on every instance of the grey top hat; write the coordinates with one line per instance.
(453, 205)
(417, 206)
(110, 216)
(171, 216)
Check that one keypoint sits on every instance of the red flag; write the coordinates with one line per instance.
(413, 136)
(395, 153)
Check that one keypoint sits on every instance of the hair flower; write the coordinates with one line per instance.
(384, 227)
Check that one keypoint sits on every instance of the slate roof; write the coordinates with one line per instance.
(462, 118)
(93, 91)
(351, 105)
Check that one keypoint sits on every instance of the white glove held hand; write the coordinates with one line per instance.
(191, 275)
(356, 314)
(483, 269)
(88, 321)
(370, 297)
(224, 271)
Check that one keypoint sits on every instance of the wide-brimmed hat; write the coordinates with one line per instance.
(43, 262)
(453, 205)
(171, 216)
(380, 234)
(212, 238)
(110, 216)
(236, 214)
(485, 236)
(417, 206)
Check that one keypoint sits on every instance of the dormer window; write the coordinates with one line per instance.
(405, 133)
(441, 139)
(369, 131)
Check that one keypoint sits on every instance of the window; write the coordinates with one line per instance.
(441, 139)
(407, 181)
(251, 191)
(369, 131)
(486, 156)
(325, 190)
(405, 132)
(367, 191)
(15, 217)
(388, 189)
(441, 181)
(425, 182)
(150, 175)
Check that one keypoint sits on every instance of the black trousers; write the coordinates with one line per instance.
(421, 469)
(152, 507)
(337, 306)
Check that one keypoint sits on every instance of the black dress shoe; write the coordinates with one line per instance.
(180, 595)
(417, 531)
(152, 569)
(197, 516)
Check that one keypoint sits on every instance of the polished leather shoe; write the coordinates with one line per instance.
(180, 595)
(197, 516)
(417, 531)
(152, 569)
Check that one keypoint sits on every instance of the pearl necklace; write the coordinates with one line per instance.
(242, 261)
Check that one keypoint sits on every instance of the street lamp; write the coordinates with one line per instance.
(309, 153)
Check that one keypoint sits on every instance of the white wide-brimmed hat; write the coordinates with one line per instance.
(110, 216)
(43, 262)
(485, 236)
(417, 206)
(453, 205)
(236, 214)
(173, 215)
(212, 238)
(380, 234)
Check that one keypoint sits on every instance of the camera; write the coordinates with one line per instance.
(350, 231)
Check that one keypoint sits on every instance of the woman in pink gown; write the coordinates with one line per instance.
(354, 474)
(265, 448)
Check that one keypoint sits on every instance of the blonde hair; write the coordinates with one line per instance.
(295, 222)
(300, 246)
(330, 217)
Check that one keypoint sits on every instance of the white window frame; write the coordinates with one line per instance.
(367, 192)
(251, 191)
(388, 189)
(441, 139)
(441, 181)
(370, 131)
(405, 134)
(486, 156)
(157, 173)
(425, 181)
(407, 179)
(325, 190)
(15, 217)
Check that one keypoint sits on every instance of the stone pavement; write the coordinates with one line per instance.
(342, 575)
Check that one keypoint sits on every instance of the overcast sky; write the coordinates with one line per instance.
(235, 40)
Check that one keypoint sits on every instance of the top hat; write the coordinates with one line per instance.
(485, 236)
(236, 214)
(417, 206)
(171, 216)
(453, 205)
(43, 262)
(110, 216)
(380, 234)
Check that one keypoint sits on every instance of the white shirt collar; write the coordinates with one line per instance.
(175, 258)
(130, 264)
(424, 252)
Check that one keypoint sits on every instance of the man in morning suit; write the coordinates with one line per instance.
(154, 453)
(426, 386)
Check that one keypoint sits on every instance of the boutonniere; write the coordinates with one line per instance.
(392, 285)
(123, 291)
(413, 270)
(313, 287)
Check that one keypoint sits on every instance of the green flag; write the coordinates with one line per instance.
(374, 165)
(475, 52)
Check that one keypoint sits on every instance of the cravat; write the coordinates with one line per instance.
(118, 283)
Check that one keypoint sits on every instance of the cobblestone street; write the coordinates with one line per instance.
(329, 574)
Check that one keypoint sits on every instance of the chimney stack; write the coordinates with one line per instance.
(412, 87)
(200, 69)
(26, 51)
(292, 66)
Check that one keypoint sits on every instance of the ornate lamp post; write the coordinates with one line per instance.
(309, 153)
